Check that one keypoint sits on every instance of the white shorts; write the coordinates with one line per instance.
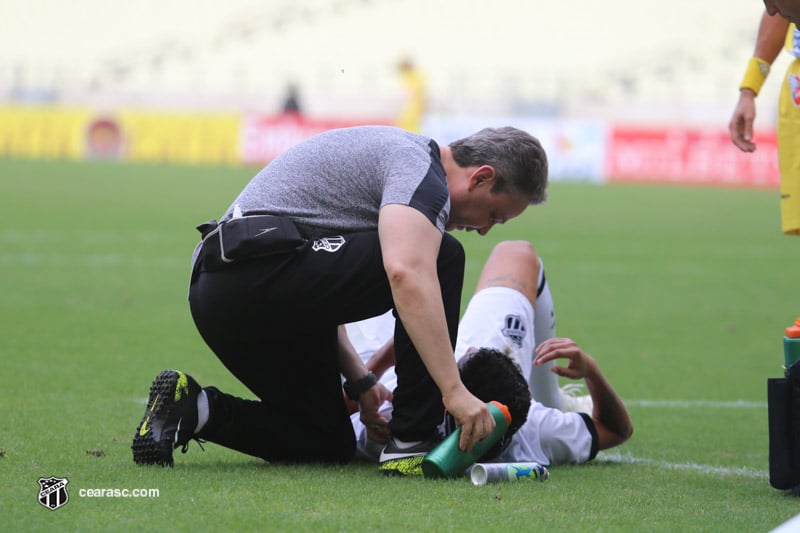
(499, 318)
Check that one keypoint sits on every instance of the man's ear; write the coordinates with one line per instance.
(483, 175)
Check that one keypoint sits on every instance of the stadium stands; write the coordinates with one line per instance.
(678, 60)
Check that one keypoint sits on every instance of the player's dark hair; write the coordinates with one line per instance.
(491, 375)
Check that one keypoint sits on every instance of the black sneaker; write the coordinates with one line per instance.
(169, 419)
(400, 458)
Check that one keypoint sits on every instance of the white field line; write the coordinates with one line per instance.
(616, 457)
(734, 404)
(94, 260)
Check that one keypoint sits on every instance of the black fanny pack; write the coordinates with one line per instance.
(247, 237)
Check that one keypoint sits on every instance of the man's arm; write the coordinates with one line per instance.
(410, 246)
(771, 37)
(611, 418)
(769, 42)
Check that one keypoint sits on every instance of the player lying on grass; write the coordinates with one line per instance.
(510, 313)
(500, 315)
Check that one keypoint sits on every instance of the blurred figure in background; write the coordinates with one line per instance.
(774, 33)
(415, 88)
(291, 103)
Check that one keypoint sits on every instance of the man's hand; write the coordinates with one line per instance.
(369, 404)
(741, 124)
(471, 414)
(581, 365)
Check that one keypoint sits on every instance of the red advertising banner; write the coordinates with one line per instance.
(265, 137)
(689, 156)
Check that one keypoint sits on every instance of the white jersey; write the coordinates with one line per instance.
(499, 318)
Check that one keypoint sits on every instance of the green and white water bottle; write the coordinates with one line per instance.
(791, 345)
(448, 460)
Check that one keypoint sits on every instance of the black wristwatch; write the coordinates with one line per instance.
(354, 390)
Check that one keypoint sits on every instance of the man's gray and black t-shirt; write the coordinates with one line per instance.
(337, 181)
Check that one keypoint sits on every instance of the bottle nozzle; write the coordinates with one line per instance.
(503, 409)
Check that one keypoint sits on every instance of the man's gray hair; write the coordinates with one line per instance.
(519, 161)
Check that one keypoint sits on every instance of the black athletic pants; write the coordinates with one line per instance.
(273, 323)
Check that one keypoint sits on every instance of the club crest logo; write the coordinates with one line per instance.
(794, 87)
(53, 492)
(514, 329)
(328, 244)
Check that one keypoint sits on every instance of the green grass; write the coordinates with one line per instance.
(681, 293)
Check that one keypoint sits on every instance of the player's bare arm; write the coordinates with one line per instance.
(378, 364)
(771, 35)
(611, 418)
(383, 359)
(370, 400)
(410, 245)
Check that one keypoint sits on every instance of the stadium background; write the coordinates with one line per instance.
(616, 90)
(684, 292)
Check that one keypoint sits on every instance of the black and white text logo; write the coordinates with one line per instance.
(328, 244)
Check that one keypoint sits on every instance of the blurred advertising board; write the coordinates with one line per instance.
(44, 132)
(686, 155)
(264, 137)
(185, 138)
(575, 149)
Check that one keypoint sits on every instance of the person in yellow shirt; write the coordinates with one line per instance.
(775, 33)
(415, 86)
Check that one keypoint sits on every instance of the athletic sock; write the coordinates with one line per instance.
(543, 382)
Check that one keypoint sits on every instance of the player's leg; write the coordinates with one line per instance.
(272, 322)
(504, 314)
(542, 379)
(299, 414)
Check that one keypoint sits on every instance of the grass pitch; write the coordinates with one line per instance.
(681, 293)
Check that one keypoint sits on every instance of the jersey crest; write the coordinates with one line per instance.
(514, 329)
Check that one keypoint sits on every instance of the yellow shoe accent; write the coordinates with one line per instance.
(145, 429)
(406, 466)
(181, 387)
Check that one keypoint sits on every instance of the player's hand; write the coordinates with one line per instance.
(581, 365)
(741, 124)
(471, 414)
(369, 403)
